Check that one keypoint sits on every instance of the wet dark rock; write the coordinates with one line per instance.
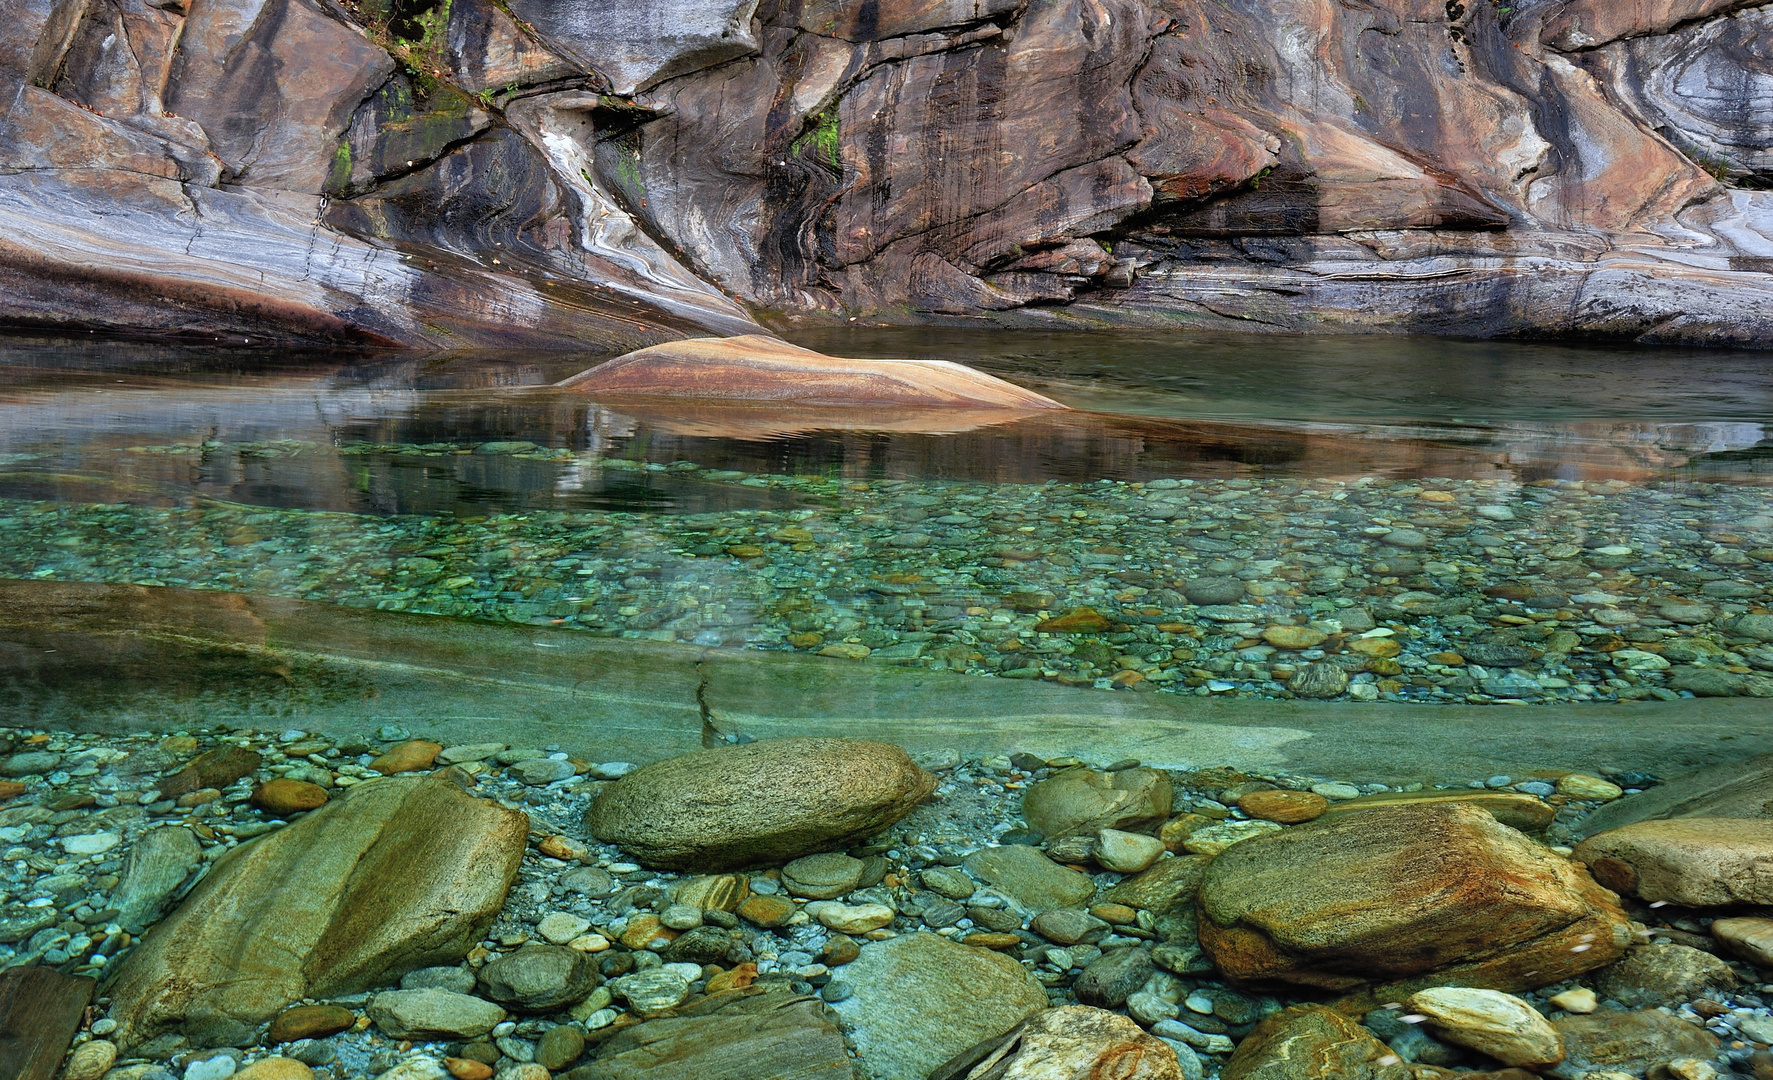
(1109, 981)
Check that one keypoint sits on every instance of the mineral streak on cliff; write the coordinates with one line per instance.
(540, 172)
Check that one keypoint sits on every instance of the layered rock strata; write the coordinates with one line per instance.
(546, 173)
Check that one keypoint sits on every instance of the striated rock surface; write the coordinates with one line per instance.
(743, 1035)
(396, 875)
(1071, 1043)
(768, 801)
(549, 172)
(1310, 1041)
(1404, 897)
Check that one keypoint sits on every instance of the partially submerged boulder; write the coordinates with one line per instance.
(396, 875)
(1735, 789)
(1401, 898)
(1084, 801)
(756, 368)
(769, 801)
(1694, 861)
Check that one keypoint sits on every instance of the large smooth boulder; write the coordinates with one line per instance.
(746, 1035)
(1693, 861)
(920, 999)
(1404, 897)
(1085, 801)
(1629, 1042)
(763, 802)
(755, 368)
(1311, 1042)
(396, 875)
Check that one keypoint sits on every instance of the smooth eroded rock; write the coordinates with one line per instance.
(1077, 1042)
(768, 801)
(1750, 938)
(539, 978)
(1693, 861)
(1490, 1022)
(1311, 1042)
(396, 875)
(751, 1035)
(1630, 1042)
(1664, 975)
(157, 865)
(1516, 809)
(1405, 897)
(433, 1014)
(902, 983)
(1081, 801)
(1028, 879)
(755, 368)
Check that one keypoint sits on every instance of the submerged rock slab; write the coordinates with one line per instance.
(399, 874)
(1406, 896)
(752, 367)
(1695, 861)
(750, 1036)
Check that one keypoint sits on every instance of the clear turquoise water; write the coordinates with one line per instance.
(1409, 519)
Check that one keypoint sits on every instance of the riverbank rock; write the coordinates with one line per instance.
(396, 875)
(432, 1014)
(1629, 1042)
(750, 1035)
(758, 368)
(1490, 1022)
(539, 978)
(769, 801)
(1170, 885)
(1737, 789)
(1071, 1043)
(1404, 897)
(1311, 1042)
(1664, 975)
(1084, 801)
(1693, 861)
(903, 984)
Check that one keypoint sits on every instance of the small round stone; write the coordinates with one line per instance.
(768, 912)
(89, 1061)
(836, 990)
(681, 917)
(822, 877)
(283, 796)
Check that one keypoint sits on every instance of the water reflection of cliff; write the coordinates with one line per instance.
(384, 437)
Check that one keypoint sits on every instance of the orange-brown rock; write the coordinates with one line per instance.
(1694, 861)
(1286, 807)
(468, 1069)
(409, 756)
(12, 789)
(755, 368)
(1516, 809)
(1310, 1041)
(285, 796)
(1401, 898)
(1083, 620)
(216, 769)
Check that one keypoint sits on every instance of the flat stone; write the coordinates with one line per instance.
(1629, 1042)
(1213, 591)
(1125, 852)
(468, 752)
(1068, 927)
(1084, 801)
(652, 990)
(1294, 637)
(1664, 975)
(310, 1022)
(1285, 807)
(1749, 938)
(1516, 809)
(1312, 1042)
(747, 1036)
(1169, 886)
(1581, 786)
(900, 983)
(712, 892)
(768, 801)
(1737, 789)
(1579, 1000)
(30, 763)
(90, 843)
(1113, 977)
(454, 979)
(1490, 1022)
(158, 863)
(340, 888)
(1028, 879)
(767, 911)
(559, 1047)
(1081, 620)
(1692, 861)
(848, 918)
(216, 769)
(283, 796)
(432, 1014)
(948, 883)
(589, 880)
(542, 771)
(413, 755)
(1404, 897)
(822, 877)
(560, 927)
(275, 1068)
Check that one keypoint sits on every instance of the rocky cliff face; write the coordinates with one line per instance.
(554, 171)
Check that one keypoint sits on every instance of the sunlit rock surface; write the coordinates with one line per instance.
(545, 173)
